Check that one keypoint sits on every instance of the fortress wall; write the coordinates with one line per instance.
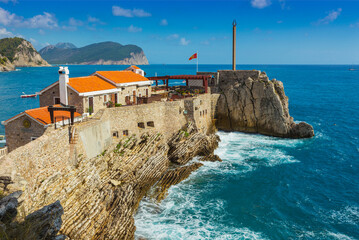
(163, 117)
(38, 159)
(95, 138)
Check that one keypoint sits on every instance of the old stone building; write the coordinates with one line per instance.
(92, 93)
(31, 124)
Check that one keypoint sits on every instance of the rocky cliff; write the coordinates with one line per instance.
(135, 59)
(5, 64)
(17, 52)
(99, 196)
(250, 102)
(27, 56)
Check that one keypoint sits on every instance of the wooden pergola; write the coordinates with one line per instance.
(166, 79)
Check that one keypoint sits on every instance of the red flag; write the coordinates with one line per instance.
(193, 56)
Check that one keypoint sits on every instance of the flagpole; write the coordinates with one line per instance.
(197, 62)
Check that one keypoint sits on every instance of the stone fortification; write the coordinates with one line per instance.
(250, 102)
(99, 179)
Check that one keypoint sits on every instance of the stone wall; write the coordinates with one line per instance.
(95, 138)
(75, 100)
(47, 98)
(98, 103)
(163, 117)
(17, 135)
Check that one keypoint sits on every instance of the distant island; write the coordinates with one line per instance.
(103, 53)
(18, 52)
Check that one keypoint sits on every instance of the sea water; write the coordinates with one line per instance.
(266, 187)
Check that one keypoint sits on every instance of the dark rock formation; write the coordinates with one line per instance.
(250, 102)
(42, 224)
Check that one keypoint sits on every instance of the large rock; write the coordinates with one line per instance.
(6, 65)
(250, 102)
(42, 224)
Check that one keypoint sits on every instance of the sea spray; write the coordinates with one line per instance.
(189, 213)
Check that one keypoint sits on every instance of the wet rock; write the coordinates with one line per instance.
(250, 102)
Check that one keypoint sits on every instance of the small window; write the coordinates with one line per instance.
(105, 98)
(33, 138)
(141, 125)
(150, 124)
(57, 100)
(125, 133)
(206, 111)
(115, 134)
(200, 114)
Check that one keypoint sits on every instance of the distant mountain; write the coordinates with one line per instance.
(18, 52)
(104, 53)
(65, 45)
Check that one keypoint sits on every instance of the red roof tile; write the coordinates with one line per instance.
(43, 115)
(89, 84)
(122, 76)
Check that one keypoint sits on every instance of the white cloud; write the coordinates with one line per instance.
(33, 41)
(41, 32)
(283, 4)
(164, 22)
(4, 33)
(172, 36)
(260, 3)
(134, 29)
(7, 1)
(355, 25)
(75, 22)
(6, 18)
(280, 22)
(122, 12)
(332, 16)
(45, 20)
(92, 19)
(184, 41)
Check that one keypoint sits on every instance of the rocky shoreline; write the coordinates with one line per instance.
(97, 197)
(108, 189)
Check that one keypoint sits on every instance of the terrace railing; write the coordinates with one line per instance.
(3, 151)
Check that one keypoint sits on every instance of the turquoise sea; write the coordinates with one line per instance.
(265, 188)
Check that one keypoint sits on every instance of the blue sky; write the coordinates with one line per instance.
(268, 31)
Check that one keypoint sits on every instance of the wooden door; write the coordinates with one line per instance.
(91, 110)
(146, 92)
(134, 96)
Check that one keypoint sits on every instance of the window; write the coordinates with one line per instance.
(105, 98)
(56, 100)
(141, 125)
(125, 133)
(33, 138)
(150, 124)
(115, 134)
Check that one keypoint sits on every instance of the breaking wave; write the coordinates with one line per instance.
(187, 212)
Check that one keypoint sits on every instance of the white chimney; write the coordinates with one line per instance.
(63, 81)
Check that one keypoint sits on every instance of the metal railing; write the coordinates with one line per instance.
(3, 152)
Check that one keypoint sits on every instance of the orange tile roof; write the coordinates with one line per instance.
(135, 67)
(122, 76)
(89, 84)
(43, 115)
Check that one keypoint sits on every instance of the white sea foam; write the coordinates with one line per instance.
(186, 214)
(348, 215)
